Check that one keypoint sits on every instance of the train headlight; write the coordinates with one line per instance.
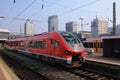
(67, 52)
(69, 61)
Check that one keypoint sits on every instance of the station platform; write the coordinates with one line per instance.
(98, 57)
(6, 73)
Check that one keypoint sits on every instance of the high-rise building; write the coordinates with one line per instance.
(98, 27)
(71, 27)
(29, 28)
(52, 23)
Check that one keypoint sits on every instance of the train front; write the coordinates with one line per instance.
(74, 49)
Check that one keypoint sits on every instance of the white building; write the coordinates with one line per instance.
(71, 27)
(52, 23)
(29, 28)
(98, 27)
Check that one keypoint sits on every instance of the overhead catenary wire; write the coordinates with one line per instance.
(26, 19)
(54, 3)
(44, 7)
(85, 5)
(67, 12)
(23, 11)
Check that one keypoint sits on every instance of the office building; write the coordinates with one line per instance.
(98, 27)
(52, 23)
(71, 27)
(29, 28)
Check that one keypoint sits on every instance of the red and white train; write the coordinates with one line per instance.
(56, 46)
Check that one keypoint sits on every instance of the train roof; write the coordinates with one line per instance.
(111, 37)
(39, 36)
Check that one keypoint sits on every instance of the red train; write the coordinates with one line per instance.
(56, 46)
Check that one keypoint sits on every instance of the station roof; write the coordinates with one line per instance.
(111, 37)
(4, 30)
(3, 39)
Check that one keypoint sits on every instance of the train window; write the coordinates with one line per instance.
(70, 38)
(56, 44)
(32, 44)
(41, 44)
(27, 44)
(38, 44)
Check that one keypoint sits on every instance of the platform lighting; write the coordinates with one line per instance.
(82, 23)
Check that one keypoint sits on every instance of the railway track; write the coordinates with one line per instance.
(83, 73)
(23, 72)
(89, 75)
(51, 72)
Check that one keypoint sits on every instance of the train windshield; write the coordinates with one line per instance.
(71, 40)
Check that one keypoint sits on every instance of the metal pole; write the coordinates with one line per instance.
(81, 24)
(114, 19)
(20, 29)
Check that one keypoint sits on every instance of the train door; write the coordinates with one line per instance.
(51, 48)
(54, 47)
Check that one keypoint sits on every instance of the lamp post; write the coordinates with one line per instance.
(81, 23)
(82, 26)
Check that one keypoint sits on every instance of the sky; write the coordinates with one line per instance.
(16, 13)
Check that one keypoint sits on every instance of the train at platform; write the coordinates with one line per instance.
(59, 47)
